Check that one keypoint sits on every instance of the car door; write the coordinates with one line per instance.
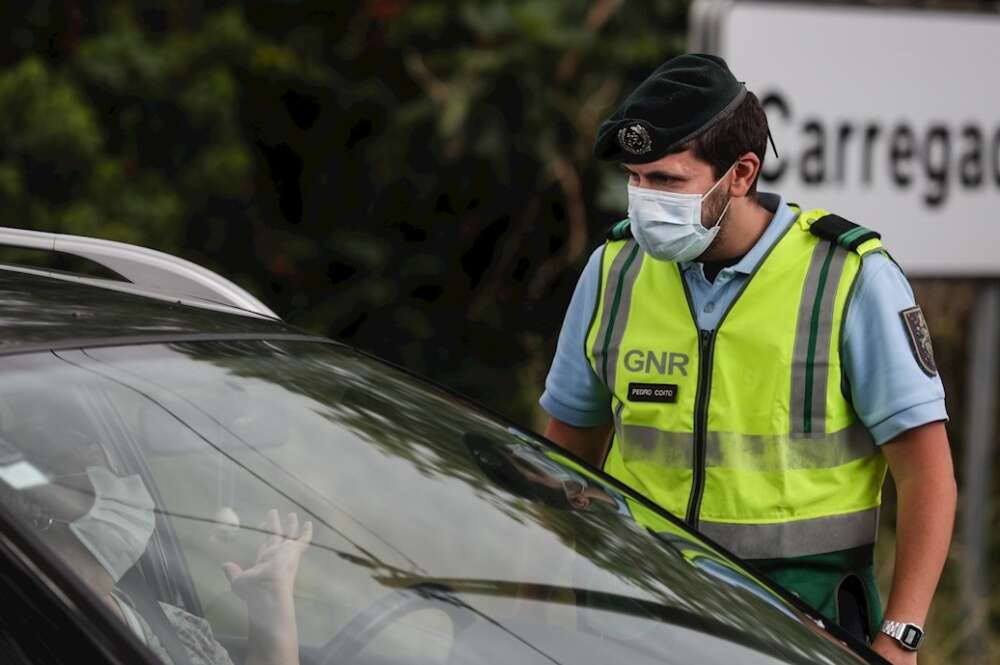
(46, 618)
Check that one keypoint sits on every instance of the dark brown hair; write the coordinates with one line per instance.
(742, 131)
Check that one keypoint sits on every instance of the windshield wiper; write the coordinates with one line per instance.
(448, 590)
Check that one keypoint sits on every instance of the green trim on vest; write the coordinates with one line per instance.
(620, 231)
(811, 346)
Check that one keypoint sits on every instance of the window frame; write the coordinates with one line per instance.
(87, 631)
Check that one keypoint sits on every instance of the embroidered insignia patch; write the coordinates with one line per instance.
(635, 139)
(920, 339)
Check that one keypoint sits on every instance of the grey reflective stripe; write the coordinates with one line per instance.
(799, 538)
(821, 360)
(614, 273)
(813, 332)
(648, 444)
(621, 320)
(614, 319)
(747, 452)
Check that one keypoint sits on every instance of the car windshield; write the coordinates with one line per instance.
(439, 533)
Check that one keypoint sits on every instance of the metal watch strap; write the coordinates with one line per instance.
(909, 635)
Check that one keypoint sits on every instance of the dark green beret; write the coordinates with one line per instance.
(682, 98)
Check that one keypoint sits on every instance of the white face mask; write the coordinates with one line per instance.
(667, 226)
(118, 527)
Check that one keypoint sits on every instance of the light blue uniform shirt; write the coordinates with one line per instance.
(890, 392)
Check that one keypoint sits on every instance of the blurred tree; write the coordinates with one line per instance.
(412, 177)
(447, 179)
(131, 130)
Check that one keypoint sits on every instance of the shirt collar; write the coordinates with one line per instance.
(784, 215)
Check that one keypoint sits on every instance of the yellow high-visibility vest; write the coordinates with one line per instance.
(745, 431)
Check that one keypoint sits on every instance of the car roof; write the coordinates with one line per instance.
(39, 310)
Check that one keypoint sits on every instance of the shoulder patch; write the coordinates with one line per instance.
(620, 231)
(920, 339)
(847, 234)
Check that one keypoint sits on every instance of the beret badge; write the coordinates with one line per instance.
(635, 139)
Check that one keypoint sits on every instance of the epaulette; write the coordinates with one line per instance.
(620, 231)
(847, 234)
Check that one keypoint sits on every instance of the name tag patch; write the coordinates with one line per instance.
(652, 392)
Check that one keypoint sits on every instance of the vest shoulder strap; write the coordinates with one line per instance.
(847, 234)
(620, 231)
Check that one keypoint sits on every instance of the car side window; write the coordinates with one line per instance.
(22, 646)
(71, 473)
(32, 630)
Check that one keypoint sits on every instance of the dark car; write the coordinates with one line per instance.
(171, 453)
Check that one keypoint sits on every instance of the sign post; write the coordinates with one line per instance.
(979, 450)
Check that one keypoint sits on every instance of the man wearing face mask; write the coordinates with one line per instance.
(753, 366)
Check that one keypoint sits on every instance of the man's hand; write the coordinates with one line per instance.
(266, 588)
(273, 574)
(889, 649)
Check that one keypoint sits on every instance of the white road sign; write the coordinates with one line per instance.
(889, 117)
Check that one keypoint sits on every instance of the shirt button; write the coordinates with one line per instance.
(710, 307)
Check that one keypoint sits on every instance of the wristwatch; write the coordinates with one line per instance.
(909, 635)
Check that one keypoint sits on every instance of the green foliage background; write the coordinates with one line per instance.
(412, 177)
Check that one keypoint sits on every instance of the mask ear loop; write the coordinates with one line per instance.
(722, 215)
(712, 188)
(726, 209)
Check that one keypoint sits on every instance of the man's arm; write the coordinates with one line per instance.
(588, 443)
(573, 392)
(920, 462)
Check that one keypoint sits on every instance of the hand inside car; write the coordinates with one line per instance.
(272, 576)
(267, 586)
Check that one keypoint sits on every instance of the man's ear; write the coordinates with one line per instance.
(744, 174)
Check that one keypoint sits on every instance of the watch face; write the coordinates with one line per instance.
(911, 637)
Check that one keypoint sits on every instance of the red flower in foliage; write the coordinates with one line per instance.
(282, 267)
(385, 10)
